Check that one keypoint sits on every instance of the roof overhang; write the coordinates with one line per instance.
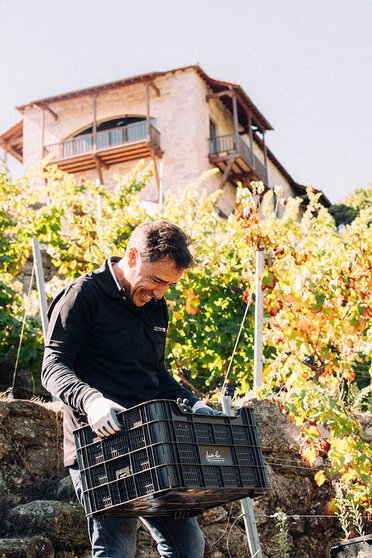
(40, 103)
(244, 102)
(12, 141)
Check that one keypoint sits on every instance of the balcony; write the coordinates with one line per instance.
(116, 145)
(223, 149)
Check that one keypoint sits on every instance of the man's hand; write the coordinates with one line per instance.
(101, 413)
(205, 410)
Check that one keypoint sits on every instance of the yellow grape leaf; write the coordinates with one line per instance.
(192, 302)
(305, 323)
(320, 478)
(310, 456)
(177, 316)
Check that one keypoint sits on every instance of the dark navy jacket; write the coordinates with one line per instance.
(97, 339)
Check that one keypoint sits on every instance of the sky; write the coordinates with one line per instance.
(306, 65)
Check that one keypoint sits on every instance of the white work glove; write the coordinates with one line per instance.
(203, 409)
(101, 413)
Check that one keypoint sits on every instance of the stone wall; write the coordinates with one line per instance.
(39, 516)
(182, 117)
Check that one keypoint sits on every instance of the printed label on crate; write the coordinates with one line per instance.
(214, 458)
(212, 455)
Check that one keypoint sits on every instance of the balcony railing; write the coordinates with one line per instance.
(227, 144)
(131, 133)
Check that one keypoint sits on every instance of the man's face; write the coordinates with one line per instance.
(150, 279)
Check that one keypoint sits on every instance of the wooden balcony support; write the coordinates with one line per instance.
(42, 132)
(227, 171)
(99, 165)
(236, 122)
(44, 108)
(94, 105)
(236, 159)
(148, 110)
(265, 158)
(99, 161)
(250, 134)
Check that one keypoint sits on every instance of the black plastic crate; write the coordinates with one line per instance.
(166, 461)
(353, 548)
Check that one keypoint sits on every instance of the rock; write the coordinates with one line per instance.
(33, 547)
(271, 424)
(65, 489)
(79, 554)
(214, 515)
(62, 522)
(295, 491)
(30, 450)
(224, 538)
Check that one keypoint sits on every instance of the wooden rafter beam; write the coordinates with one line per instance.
(10, 149)
(14, 140)
(224, 93)
(48, 109)
(151, 83)
(155, 88)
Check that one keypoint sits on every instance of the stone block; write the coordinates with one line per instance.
(65, 489)
(27, 547)
(64, 523)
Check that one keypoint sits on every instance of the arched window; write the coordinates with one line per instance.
(123, 129)
(114, 123)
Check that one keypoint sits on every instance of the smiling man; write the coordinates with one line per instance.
(105, 353)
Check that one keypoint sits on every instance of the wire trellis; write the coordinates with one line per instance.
(10, 394)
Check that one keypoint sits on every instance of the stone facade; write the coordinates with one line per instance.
(182, 116)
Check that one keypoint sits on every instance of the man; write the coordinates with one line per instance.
(105, 352)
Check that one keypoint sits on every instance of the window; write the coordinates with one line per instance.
(212, 129)
(212, 137)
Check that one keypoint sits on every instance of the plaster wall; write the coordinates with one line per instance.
(32, 137)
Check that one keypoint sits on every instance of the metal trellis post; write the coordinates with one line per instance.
(258, 320)
(246, 503)
(40, 285)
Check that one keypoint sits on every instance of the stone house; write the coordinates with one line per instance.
(183, 120)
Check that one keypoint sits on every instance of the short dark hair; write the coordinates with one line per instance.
(157, 240)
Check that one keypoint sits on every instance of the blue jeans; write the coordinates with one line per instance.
(115, 537)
